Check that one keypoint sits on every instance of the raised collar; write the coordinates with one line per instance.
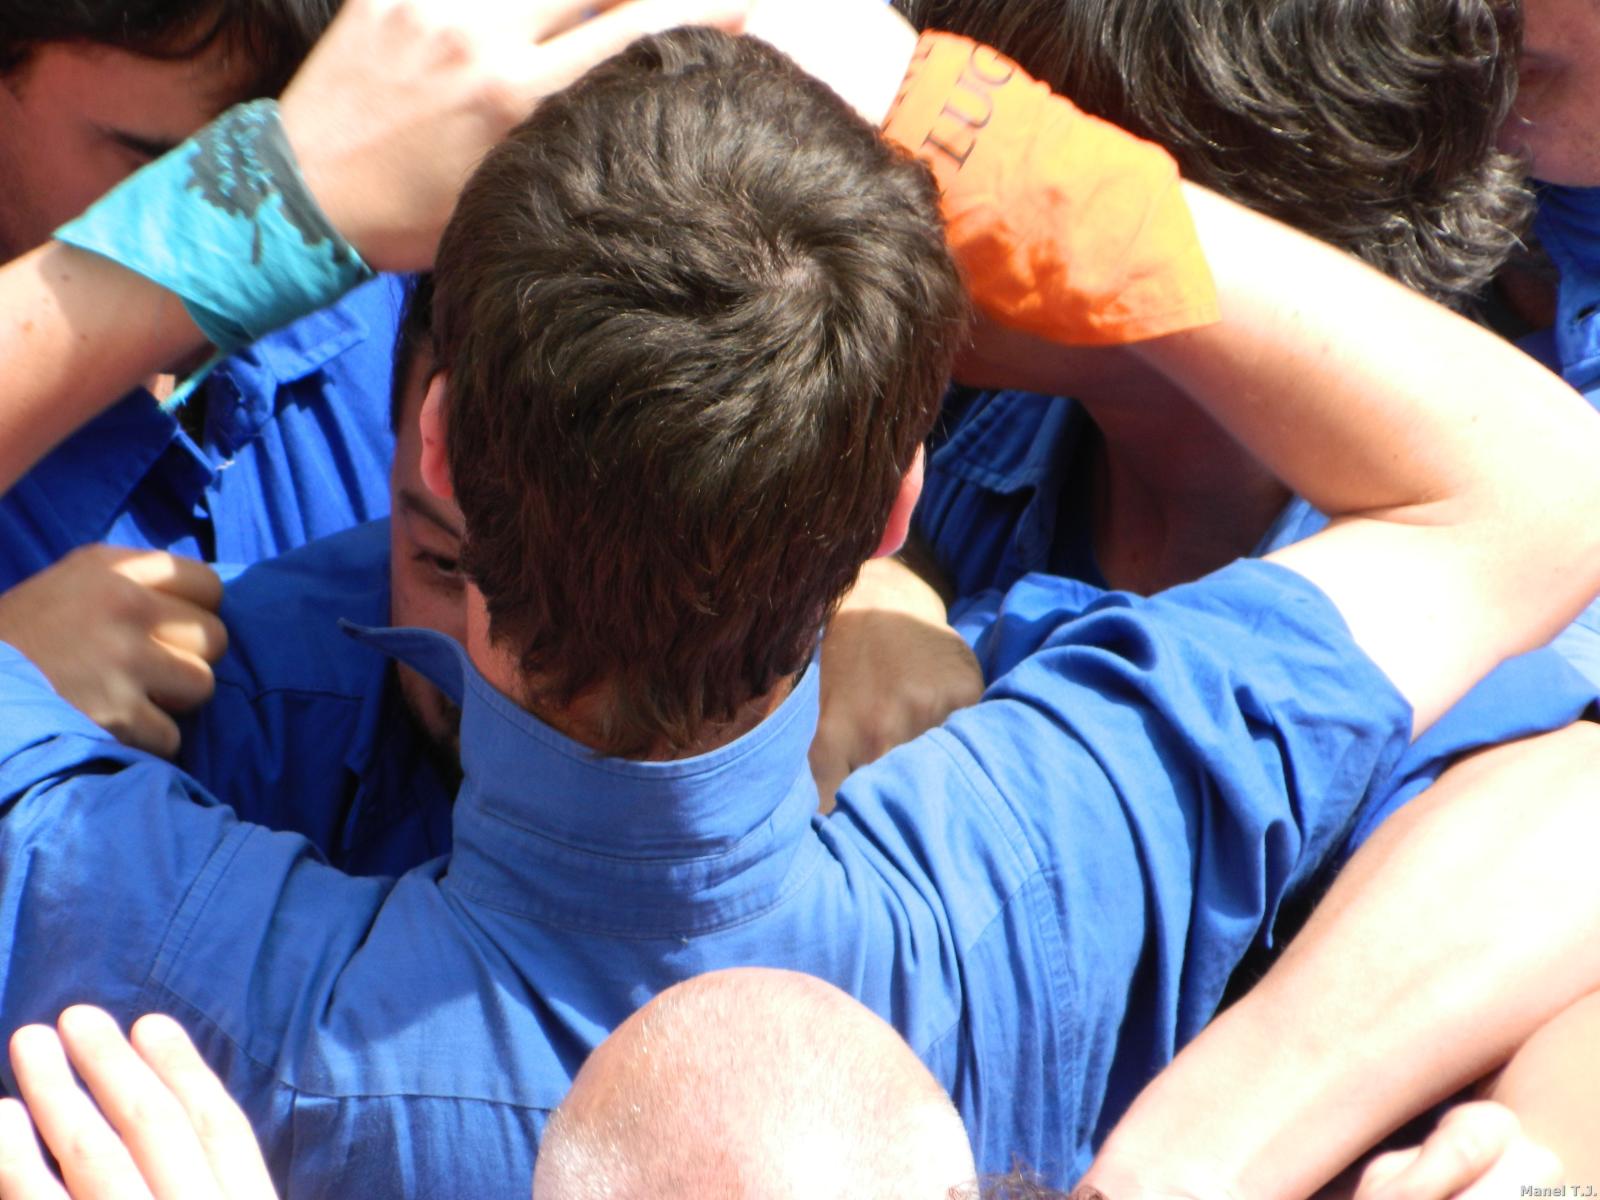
(547, 829)
(1568, 226)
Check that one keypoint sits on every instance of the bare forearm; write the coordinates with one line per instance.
(78, 331)
(1431, 959)
(1459, 473)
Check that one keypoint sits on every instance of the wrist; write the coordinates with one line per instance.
(227, 223)
(1067, 228)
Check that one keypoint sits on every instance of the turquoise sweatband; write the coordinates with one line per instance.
(227, 223)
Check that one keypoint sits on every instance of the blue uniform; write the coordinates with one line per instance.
(999, 503)
(1045, 895)
(1568, 226)
(307, 730)
(296, 444)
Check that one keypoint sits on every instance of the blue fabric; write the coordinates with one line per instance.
(296, 445)
(992, 511)
(307, 731)
(1568, 226)
(226, 223)
(1045, 895)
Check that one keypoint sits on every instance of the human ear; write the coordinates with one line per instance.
(898, 526)
(435, 452)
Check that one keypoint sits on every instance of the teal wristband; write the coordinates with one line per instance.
(227, 223)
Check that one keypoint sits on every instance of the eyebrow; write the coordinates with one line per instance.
(150, 147)
(419, 506)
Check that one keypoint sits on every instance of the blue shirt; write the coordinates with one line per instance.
(1045, 895)
(296, 444)
(1568, 226)
(998, 504)
(307, 730)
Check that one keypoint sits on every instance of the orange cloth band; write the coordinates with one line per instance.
(1065, 226)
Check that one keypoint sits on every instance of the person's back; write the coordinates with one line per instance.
(1370, 126)
(654, 538)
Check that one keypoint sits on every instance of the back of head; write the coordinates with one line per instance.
(1368, 123)
(272, 36)
(696, 318)
(754, 1085)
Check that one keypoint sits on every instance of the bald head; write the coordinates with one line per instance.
(754, 1084)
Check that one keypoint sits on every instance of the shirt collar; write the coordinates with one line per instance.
(1568, 226)
(89, 478)
(548, 829)
(242, 392)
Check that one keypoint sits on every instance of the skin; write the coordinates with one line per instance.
(720, 1087)
(426, 585)
(75, 120)
(1558, 96)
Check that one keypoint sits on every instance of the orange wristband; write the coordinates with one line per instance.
(1065, 226)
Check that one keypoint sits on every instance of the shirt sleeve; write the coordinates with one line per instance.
(111, 859)
(1176, 764)
(1065, 226)
(92, 870)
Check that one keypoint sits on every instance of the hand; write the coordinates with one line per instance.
(401, 98)
(127, 636)
(891, 668)
(859, 48)
(169, 1129)
(1477, 1152)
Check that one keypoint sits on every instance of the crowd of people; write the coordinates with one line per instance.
(766, 598)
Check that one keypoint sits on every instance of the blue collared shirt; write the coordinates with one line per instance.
(307, 731)
(1568, 226)
(296, 444)
(995, 507)
(1045, 895)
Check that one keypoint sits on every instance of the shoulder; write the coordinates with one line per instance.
(284, 615)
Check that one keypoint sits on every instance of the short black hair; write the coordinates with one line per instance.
(696, 318)
(273, 36)
(1368, 123)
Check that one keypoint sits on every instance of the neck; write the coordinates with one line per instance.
(1173, 496)
(584, 717)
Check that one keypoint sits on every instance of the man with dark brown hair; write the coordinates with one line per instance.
(670, 255)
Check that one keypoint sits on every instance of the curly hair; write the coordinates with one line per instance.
(1367, 123)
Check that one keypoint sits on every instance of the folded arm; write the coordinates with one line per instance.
(1451, 937)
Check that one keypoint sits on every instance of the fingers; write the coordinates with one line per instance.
(144, 726)
(172, 574)
(93, 1161)
(1469, 1141)
(225, 1137)
(152, 1125)
(564, 58)
(175, 680)
(187, 627)
(829, 768)
(1523, 1167)
(23, 1174)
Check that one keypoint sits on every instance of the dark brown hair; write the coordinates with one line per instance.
(1368, 123)
(696, 318)
(273, 36)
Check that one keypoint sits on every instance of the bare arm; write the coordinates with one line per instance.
(387, 118)
(1434, 955)
(1459, 473)
(77, 332)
